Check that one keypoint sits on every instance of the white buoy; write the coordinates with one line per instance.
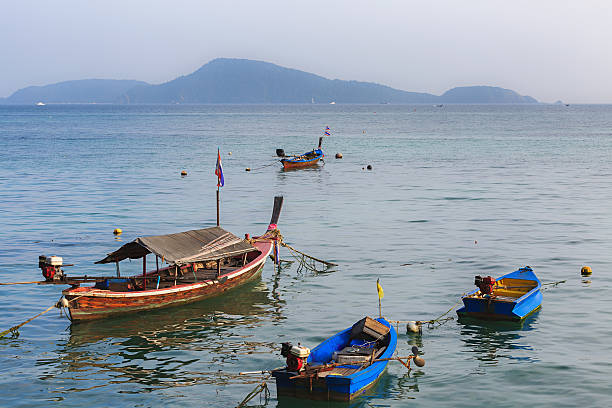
(413, 327)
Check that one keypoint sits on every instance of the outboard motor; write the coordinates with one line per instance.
(485, 284)
(296, 356)
(51, 267)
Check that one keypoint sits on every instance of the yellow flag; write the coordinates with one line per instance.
(381, 294)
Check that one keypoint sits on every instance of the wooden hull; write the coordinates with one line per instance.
(289, 165)
(89, 303)
(505, 307)
(300, 162)
(340, 386)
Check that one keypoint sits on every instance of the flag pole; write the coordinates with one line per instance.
(379, 308)
(217, 204)
(219, 173)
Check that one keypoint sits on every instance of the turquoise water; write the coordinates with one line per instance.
(454, 192)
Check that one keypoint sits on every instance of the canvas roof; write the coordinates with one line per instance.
(190, 246)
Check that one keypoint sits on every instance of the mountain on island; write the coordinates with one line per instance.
(79, 91)
(241, 81)
(483, 95)
(244, 81)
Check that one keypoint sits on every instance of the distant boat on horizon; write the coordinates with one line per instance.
(332, 103)
(40, 104)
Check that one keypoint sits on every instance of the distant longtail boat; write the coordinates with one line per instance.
(307, 159)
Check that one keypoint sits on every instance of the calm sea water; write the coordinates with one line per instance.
(454, 192)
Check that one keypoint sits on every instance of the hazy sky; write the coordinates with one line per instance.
(548, 49)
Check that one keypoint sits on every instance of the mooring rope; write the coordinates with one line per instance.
(299, 256)
(302, 262)
(15, 329)
(306, 255)
(433, 323)
(549, 285)
(262, 167)
(261, 387)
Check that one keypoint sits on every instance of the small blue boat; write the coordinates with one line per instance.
(342, 367)
(510, 297)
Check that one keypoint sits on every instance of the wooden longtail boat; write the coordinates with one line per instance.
(307, 159)
(342, 367)
(513, 297)
(202, 263)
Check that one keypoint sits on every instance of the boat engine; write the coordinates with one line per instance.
(296, 356)
(51, 267)
(485, 284)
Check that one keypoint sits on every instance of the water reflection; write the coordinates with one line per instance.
(384, 389)
(491, 341)
(415, 339)
(408, 384)
(179, 346)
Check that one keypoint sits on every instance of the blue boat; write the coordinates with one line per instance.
(510, 297)
(342, 367)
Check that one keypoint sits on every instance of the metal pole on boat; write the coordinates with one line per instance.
(117, 264)
(144, 271)
(217, 206)
(157, 263)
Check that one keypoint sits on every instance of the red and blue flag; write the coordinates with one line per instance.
(219, 171)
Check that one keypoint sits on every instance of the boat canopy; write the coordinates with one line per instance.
(206, 244)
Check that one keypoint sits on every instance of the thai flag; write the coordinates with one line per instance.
(219, 171)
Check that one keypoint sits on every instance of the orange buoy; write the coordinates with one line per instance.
(586, 271)
(183, 173)
(338, 155)
(117, 231)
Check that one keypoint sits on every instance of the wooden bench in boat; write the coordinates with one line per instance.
(339, 371)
